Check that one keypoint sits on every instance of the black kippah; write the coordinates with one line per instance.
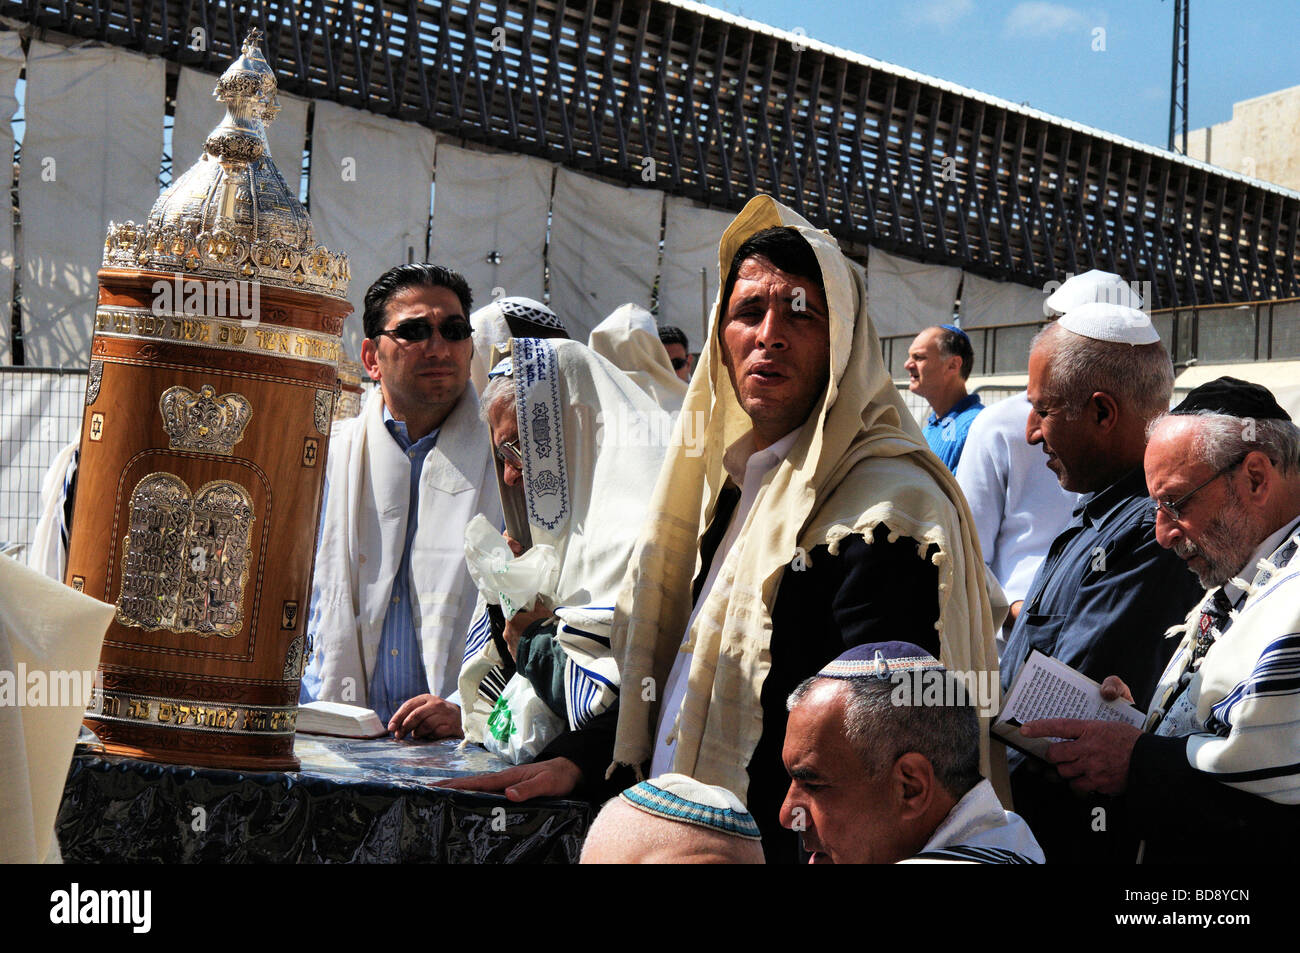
(1233, 397)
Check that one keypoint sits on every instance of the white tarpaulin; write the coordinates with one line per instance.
(905, 296)
(11, 63)
(90, 156)
(370, 184)
(604, 249)
(691, 237)
(986, 304)
(489, 220)
(197, 114)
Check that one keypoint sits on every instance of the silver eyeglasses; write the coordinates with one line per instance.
(508, 452)
(1174, 510)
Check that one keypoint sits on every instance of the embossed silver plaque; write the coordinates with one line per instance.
(186, 556)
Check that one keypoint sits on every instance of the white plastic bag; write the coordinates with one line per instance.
(511, 582)
(521, 724)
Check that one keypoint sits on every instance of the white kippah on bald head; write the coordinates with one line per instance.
(1110, 322)
(1093, 286)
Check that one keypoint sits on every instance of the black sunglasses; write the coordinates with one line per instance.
(678, 363)
(416, 330)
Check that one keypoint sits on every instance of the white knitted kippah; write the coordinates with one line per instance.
(1095, 285)
(1110, 322)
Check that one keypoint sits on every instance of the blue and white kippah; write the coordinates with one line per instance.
(880, 660)
(675, 797)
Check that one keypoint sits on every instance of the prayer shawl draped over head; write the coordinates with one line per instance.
(363, 534)
(502, 319)
(859, 461)
(629, 340)
(588, 469)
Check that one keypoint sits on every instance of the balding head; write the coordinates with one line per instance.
(623, 834)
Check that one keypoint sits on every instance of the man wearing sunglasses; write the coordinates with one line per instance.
(392, 600)
(1106, 592)
(1216, 762)
(678, 347)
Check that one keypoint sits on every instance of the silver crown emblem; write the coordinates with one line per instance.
(204, 421)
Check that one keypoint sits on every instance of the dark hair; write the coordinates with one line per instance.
(956, 344)
(668, 334)
(415, 275)
(783, 247)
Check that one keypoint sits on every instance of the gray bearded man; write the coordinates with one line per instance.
(1219, 756)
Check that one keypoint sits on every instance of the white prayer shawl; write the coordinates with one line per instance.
(47, 628)
(629, 340)
(1246, 694)
(585, 492)
(490, 331)
(49, 552)
(978, 830)
(492, 328)
(363, 534)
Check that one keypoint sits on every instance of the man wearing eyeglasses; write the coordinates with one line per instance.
(1217, 758)
(1106, 592)
(392, 600)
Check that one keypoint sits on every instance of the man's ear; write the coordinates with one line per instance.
(1104, 410)
(915, 781)
(370, 358)
(1259, 471)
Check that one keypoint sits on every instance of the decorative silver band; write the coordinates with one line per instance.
(227, 334)
(191, 715)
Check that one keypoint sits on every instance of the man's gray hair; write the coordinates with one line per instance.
(1139, 377)
(882, 731)
(498, 390)
(1222, 439)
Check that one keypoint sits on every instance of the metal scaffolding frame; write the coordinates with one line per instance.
(701, 104)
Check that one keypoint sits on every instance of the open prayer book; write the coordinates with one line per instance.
(339, 720)
(1046, 688)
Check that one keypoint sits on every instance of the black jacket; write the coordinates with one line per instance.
(866, 592)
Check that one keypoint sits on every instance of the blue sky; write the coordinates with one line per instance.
(1042, 51)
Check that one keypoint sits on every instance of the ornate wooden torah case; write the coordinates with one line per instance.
(213, 378)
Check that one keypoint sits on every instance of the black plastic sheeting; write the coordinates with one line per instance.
(352, 802)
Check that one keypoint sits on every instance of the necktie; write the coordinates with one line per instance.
(1214, 621)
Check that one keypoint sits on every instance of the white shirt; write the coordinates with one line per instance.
(1264, 550)
(748, 468)
(1018, 504)
(979, 830)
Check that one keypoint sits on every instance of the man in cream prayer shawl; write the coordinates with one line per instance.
(629, 340)
(814, 519)
(391, 598)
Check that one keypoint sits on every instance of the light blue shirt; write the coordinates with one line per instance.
(399, 669)
(947, 435)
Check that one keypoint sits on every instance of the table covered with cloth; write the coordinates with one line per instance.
(351, 802)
